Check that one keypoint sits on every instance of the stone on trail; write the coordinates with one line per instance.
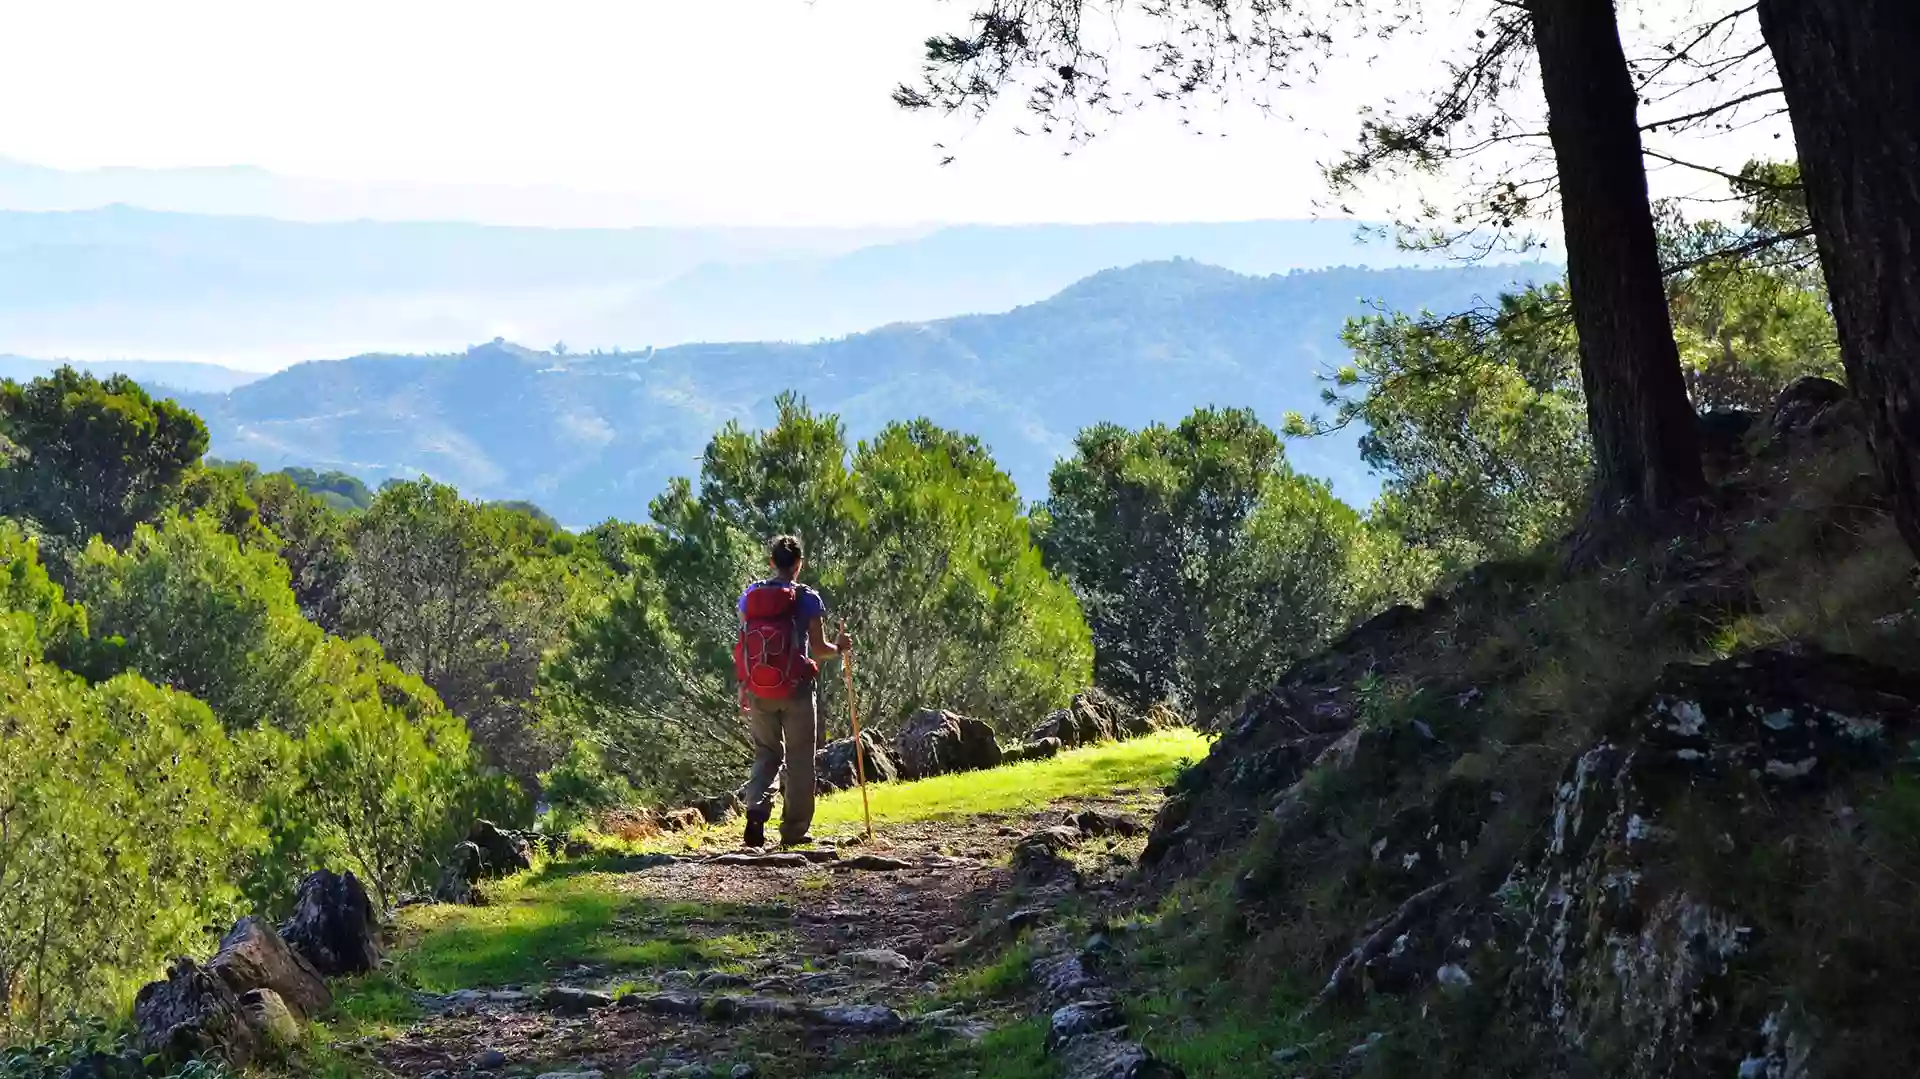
(489, 1060)
(833, 765)
(1095, 824)
(935, 742)
(661, 1003)
(866, 1017)
(192, 1013)
(334, 926)
(252, 956)
(591, 1073)
(1037, 858)
(872, 863)
(779, 860)
(881, 959)
(742, 1071)
(569, 1000)
(719, 979)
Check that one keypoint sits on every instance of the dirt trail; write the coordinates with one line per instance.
(850, 955)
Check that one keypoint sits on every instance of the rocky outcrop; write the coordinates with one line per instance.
(465, 867)
(193, 1013)
(934, 743)
(335, 926)
(833, 766)
(253, 957)
(1096, 717)
(1656, 904)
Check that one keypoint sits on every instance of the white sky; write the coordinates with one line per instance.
(737, 111)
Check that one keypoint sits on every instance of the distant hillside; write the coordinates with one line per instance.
(161, 374)
(587, 437)
(124, 281)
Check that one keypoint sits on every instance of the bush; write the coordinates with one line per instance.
(120, 834)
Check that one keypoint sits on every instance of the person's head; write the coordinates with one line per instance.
(786, 556)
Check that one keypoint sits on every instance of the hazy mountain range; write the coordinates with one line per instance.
(256, 292)
(587, 437)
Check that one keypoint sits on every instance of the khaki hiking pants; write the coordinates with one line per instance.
(782, 730)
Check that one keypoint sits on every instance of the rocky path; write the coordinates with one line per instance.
(851, 948)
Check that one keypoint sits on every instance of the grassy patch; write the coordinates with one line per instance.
(1016, 1051)
(1004, 977)
(539, 925)
(374, 1005)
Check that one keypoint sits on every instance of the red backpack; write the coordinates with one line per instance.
(770, 658)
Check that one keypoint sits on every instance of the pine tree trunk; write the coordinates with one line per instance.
(1851, 71)
(1646, 448)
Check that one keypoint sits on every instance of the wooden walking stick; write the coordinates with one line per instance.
(859, 750)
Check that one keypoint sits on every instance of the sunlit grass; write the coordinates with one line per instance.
(539, 924)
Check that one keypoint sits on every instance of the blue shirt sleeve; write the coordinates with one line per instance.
(812, 606)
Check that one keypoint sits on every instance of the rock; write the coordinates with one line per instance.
(872, 863)
(776, 860)
(1038, 858)
(192, 1013)
(1283, 1057)
(490, 1059)
(880, 959)
(680, 820)
(1801, 403)
(1453, 977)
(719, 808)
(334, 927)
(569, 1000)
(1082, 1017)
(1094, 824)
(865, 1017)
(1109, 1055)
(273, 1022)
(934, 743)
(502, 850)
(833, 766)
(1037, 750)
(661, 1003)
(590, 1073)
(465, 866)
(716, 979)
(1065, 977)
(252, 956)
(1024, 919)
(742, 1071)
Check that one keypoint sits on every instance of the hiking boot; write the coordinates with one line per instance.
(757, 829)
(803, 841)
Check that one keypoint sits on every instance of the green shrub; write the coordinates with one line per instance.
(120, 834)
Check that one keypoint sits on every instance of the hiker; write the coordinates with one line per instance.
(780, 634)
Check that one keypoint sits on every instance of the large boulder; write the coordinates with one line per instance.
(936, 742)
(833, 766)
(252, 956)
(465, 867)
(1094, 717)
(503, 851)
(335, 926)
(193, 1013)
